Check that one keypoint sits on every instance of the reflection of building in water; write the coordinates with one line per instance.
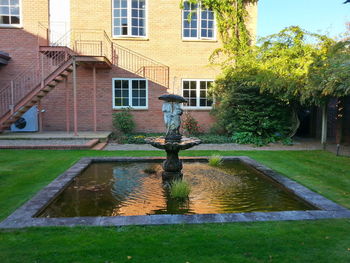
(138, 193)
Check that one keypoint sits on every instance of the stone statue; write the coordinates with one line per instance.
(172, 116)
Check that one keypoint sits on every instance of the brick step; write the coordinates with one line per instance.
(100, 146)
(89, 145)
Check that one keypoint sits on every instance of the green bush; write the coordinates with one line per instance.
(214, 138)
(180, 189)
(248, 115)
(123, 121)
(190, 124)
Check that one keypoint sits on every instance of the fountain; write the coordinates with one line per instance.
(173, 141)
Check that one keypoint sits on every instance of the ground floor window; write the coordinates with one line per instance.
(196, 93)
(130, 93)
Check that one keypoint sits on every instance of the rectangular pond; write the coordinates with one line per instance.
(121, 191)
(137, 188)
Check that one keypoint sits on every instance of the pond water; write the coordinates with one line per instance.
(124, 189)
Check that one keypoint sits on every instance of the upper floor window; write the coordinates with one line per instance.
(129, 18)
(10, 13)
(198, 22)
(196, 93)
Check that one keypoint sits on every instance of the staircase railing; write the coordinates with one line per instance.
(97, 43)
(28, 80)
(82, 42)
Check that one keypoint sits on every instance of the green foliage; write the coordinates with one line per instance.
(190, 124)
(215, 160)
(284, 60)
(247, 114)
(330, 77)
(123, 121)
(180, 189)
(231, 17)
(214, 138)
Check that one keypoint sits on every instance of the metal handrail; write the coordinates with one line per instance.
(82, 42)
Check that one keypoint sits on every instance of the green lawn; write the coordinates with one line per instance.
(23, 173)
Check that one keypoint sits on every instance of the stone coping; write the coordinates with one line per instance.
(25, 215)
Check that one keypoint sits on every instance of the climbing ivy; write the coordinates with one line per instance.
(231, 18)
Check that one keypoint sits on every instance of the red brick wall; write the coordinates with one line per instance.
(22, 43)
(151, 120)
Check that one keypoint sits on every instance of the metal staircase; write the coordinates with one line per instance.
(55, 63)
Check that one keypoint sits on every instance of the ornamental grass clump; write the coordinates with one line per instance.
(215, 160)
(180, 189)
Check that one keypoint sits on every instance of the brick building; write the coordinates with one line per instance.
(80, 61)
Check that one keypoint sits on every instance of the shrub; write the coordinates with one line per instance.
(215, 138)
(123, 121)
(248, 115)
(190, 124)
(180, 189)
(215, 160)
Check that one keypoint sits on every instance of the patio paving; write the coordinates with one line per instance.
(55, 135)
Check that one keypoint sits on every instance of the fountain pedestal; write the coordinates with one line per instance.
(172, 165)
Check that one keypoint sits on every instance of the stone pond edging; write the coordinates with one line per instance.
(25, 215)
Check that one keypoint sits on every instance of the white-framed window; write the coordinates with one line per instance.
(129, 18)
(195, 91)
(130, 93)
(10, 13)
(201, 24)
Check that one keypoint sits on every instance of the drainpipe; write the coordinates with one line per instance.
(324, 126)
(75, 96)
(94, 97)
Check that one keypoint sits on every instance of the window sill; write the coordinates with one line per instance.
(198, 108)
(131, 38)
(132, 109)
(200, 40)
(11, 26)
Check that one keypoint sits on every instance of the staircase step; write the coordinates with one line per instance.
(100, 146)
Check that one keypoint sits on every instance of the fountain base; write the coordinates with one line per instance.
(172, 165)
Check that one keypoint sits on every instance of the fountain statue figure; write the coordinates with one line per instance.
(173, 141)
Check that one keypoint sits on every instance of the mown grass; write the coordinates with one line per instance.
(23, 173)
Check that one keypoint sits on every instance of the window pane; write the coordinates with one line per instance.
(186, 33)
(189, 92)
(117, 3)
(142, 102)
(4, 2)
(15, 20)
(124, 3)
(4, 20)
(124, 13)
(117, 84)
(207, 25)
(190, 20)
(143, 93)
(14, 10)
(117, 31)
(135, 102)
(125, 102)
(118, 102)
(193, 102)
(4, 10)
(142, 84)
